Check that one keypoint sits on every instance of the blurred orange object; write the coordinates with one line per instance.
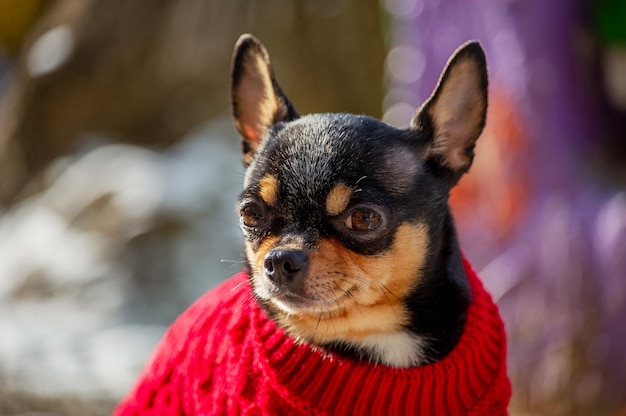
(495, 192)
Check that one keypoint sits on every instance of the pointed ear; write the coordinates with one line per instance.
(256, 99)
(454, 115)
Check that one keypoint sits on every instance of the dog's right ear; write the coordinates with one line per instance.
(256, 99)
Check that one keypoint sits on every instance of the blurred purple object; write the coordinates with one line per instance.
(560, 277)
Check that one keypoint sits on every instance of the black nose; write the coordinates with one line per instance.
(285, 267)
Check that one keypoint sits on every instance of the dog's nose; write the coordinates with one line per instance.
(285, 266)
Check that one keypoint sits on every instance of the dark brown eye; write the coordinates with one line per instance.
(363, 220)
(251, 216)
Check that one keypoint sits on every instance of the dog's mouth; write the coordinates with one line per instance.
(314, 298)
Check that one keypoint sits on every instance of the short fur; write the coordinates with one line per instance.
(349, 238)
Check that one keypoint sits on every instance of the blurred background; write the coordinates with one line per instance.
(119, 167)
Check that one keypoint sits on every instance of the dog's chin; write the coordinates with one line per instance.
(294, 303)
(297, 305)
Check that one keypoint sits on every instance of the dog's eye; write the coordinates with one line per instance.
(363, 219)
(251, 216)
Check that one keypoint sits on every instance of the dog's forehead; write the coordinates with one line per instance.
(310, 156)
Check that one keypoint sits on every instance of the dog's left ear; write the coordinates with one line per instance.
(454, 115)
(256, 99)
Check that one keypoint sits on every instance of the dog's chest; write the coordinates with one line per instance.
(400, 350)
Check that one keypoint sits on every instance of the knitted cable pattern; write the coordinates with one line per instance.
(224, 356)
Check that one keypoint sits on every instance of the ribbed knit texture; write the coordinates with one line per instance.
(223, 356)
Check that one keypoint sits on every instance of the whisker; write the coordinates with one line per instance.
(317, 325)
(357, 182)
(233, 263)
(331, 322)
(386, 290)
(350, 295)
(244, 301)
(238, 285)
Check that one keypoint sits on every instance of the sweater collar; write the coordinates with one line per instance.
(471, 377)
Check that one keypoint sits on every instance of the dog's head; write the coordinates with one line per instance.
(341, 212)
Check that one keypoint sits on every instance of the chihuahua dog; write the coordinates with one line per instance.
(349, 239)
(355, 278)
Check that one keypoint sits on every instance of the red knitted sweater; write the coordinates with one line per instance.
(223, 356)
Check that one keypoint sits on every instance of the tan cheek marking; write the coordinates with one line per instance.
(268, 189)
(381, 282)
(338, 199)
(257, 257)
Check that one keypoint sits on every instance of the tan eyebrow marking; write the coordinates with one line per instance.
(268, 189)
(338, 199)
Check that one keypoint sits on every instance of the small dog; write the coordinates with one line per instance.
(357, 299)
(349, 238)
